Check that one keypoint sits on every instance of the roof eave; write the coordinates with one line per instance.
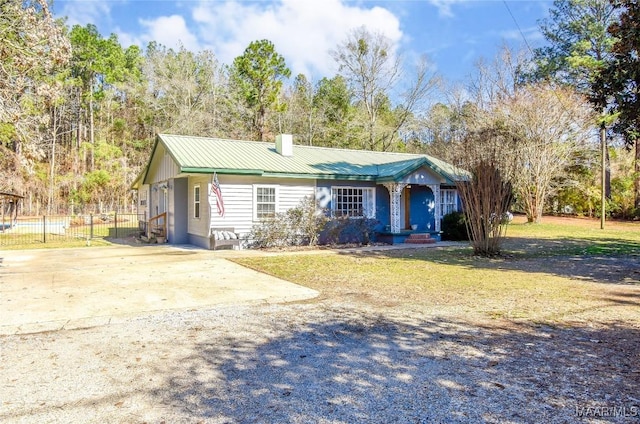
(268, 174)
(145, 172)
(227, 171)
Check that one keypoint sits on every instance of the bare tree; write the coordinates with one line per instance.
(519, 140)
(551, 125)
(301, 116)
(497, 80)
(32, 50)
(374, 72)
(186, 91)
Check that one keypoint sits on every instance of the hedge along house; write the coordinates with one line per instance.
(405, 193)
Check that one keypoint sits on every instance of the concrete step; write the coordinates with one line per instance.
(151, 240)
(420, 238)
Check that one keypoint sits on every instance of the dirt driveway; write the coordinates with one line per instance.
(42, 290)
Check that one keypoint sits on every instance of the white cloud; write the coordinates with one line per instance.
(170, 31)
(444, 6)
(530, 34)
(83, 13)
(302, 31)
(469, 56)
(127, 39)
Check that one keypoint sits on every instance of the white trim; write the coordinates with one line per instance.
(255, 198)
(437, 215)
(197, 211)
(369, 210)
(395, 193)
(443, 193)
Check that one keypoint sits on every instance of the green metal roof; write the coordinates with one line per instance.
(207, 155)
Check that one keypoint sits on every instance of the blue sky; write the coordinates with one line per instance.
(453, 34)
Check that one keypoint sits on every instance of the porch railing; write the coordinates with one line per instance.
(157, 225)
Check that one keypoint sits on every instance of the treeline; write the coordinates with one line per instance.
(79, 112)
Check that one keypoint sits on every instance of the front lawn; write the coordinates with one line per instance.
(558, 272)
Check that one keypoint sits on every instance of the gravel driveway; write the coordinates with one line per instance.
(304, 363)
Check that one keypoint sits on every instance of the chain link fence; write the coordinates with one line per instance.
(63, 228)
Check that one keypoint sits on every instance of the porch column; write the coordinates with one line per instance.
(395, 192)
(437, 212)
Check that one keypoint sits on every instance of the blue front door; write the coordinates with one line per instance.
(421, 209)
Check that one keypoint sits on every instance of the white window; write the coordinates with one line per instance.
(353, 202)
(448, 201)
(196, 201)
(265, 200)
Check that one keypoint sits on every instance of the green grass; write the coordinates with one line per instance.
(55, 244)
(75, 236)
(547, 276)
(570, 236)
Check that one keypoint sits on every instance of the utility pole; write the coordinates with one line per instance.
(603, 164)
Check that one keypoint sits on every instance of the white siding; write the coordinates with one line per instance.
(162, 167)
(423, 176)
(237, 192)
(290, 195)
(143, 200)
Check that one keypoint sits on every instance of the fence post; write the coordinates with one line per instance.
(91, 226)
(44, 228)
(115, 220)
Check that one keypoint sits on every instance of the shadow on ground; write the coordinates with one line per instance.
(356, 368)
(611, 261)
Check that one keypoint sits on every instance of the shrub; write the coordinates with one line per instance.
(296, 227)
(308, 225)
(272, 232)
(342, 230)
(454, 227)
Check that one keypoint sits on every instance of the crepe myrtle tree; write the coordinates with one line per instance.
(484, 185)
(550, 127)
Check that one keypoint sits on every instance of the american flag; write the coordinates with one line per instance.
(215, 191)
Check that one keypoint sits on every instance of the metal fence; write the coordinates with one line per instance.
(64, 228)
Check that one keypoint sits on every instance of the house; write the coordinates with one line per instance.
(405, 193)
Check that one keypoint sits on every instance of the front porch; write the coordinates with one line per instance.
(414, 211)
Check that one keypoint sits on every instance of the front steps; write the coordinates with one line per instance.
(153, 239)
(419, 238)
(406, 236)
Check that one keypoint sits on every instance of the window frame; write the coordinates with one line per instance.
(454, 204)
(276, 202)
(197, 201)
(142, 197)
(368, 211)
